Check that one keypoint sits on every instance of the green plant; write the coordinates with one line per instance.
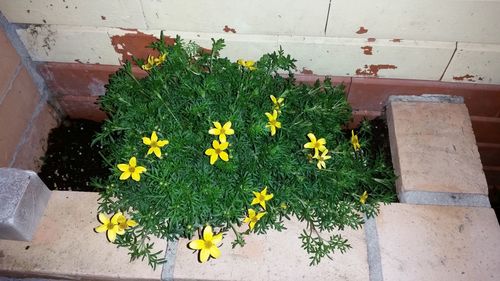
(194, 184)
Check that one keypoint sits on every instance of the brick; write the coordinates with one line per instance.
(16, 111)
(226, 16)
(410, 20)
(419, 242)
(66, 247)
(372, 93)
(31, 152)
(112, 13)
(435, 154)
(474, 62)
(487, 129)
(8, 65)
(24, 197)
(357, 57)
(82, 107)
(273, 256)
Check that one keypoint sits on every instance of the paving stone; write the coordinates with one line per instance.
(273, 256)
(435, 154)
(24, 197)
(421, 242)
(65, 246)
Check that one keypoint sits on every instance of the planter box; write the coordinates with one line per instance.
(451, 233)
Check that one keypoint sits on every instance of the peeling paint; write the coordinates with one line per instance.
(373, 69)
(306, 71)
(41, 34)
(371, 39)
(228, 29)
(396, 40)
(467, 77)
(134, 44)
(362, 30)
(367, 50)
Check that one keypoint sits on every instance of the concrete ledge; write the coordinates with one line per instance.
(444, 198)
(438, 243)
(427, 98)
(23, 198)
(66, 247)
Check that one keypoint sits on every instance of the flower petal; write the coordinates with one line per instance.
(140, 169)
(227, 125)
(204, 255)
(111, 234)
(214, 131)
(136, 176)
(217, 238)
(103, 218)
(215, 252)
(312, 137)
(223, 145)
(322, 141)
(273, 130)
(115, 217)
(157, 152)
(207, 233)
(251, 224)
(209, 151)
(224, 156)
(196, 244)
(132, 162)
(269, 116)
(229, 131)
(150, 150)
(101, 228)
(251, 213)
(125, 175)
(154, 137)
(215, 144)
(260, 215)
(132, 223)
(146, 140)
(123, 167)
(213, 158)
(222, 138)
(162, 143)
(217, 125)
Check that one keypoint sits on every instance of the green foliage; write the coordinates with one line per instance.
(182, 192)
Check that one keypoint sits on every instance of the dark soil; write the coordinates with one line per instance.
(70, 163)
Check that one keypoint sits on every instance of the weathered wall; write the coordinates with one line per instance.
(447, 40)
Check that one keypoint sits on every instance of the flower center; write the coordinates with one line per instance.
(262, 197)
(131, 169)
(110, 226)
(153, 144)
(317, 145)
(273, 123)
(218, 150)
(208, 244)
(222, 131)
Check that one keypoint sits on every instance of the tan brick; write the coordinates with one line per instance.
(273, 256)
(30, 153)
(434, 149)
(65, 246)
(419, 242)
(16, 111)
(8, 63)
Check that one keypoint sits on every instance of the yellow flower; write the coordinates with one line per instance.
(278, 102)
(317, 145)
(221, 131)
(207, 245)
(363, 197)
(217, 151)
(149, 64)
(355, 141)
(248, 64)
(123, 222)
(131, 169)
(160, 59)
(154, 144)
(273, 122)
(253, 218)
(261, 197)
(110, 226)
(321, 159)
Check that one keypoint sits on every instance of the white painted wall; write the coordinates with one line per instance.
(435, 38)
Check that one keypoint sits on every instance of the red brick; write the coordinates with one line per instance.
(371, 93)
(77, 79)
(486, 129)
(490, 153)
(16, 111)
(82, 107)
(310, 79)
(29, 156)
(8, 63)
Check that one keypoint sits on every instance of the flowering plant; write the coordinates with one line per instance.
(203, 144)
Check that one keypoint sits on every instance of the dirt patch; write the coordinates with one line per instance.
(70, 162)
